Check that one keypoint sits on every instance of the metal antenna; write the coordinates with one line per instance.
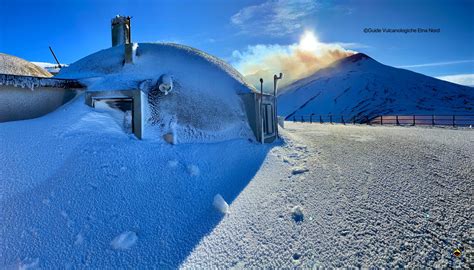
(275, 80)
(54, 55)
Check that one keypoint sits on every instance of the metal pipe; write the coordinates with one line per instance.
(261, 111)
(275, 86)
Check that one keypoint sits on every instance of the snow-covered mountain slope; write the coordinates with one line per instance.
(360, 86)
(10, 64)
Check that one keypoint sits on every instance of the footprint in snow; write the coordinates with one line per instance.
(193, 170)
(299, 170)
(172, 163)
(124, 241)
(296, 258)
(297, 214)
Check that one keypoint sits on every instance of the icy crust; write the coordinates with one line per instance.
(34, 82)
(204, 104)
(359, 85)
(14, 65)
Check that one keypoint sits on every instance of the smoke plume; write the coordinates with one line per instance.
(295, 61)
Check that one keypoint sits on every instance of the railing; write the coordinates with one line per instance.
(399, 120)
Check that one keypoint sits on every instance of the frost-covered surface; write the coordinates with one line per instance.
(372, 197)
(359, 85)
(10, 64)
(78, 191)
(204, 104)
(34, 82)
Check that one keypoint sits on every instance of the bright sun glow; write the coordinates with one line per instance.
(308, 41)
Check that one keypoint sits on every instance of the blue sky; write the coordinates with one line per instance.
(77, 28)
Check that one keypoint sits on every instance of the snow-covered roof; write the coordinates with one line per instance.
(104, 70)
(33, 82)
(10, 64)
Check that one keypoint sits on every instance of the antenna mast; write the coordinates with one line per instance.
(59, 65)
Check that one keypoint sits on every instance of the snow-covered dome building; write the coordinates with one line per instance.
(182, 91)
(173, 91)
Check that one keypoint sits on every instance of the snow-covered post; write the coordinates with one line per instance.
(275, 84)
(261, 111)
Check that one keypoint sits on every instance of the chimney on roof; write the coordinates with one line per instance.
(121, 34)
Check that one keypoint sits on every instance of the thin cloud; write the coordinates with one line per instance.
(275, 18)
(463, 79)
(438, 64)
(296, 61)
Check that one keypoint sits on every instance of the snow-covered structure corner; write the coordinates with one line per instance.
(177, 92)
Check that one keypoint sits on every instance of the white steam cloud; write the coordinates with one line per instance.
(296, 61)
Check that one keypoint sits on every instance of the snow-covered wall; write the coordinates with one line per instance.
(21, 103)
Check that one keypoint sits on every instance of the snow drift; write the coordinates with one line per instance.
(359, 85)
(204, 103)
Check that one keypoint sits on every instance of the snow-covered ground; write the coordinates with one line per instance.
(372, 196)
(76, 191)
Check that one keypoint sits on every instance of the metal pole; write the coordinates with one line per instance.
(54, 55)
(414, 120)
(454, 120)
(432, 120)
(342, 119)
(330, 118)
(381, 120)
(261, 111)
(302, 119)
(398, 123)
(311, 118)
(275, 85)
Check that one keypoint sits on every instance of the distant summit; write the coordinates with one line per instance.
(360, 86)
(13, 65)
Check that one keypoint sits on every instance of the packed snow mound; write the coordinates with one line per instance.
(204, 103)
(360, 86)
(13, 65)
